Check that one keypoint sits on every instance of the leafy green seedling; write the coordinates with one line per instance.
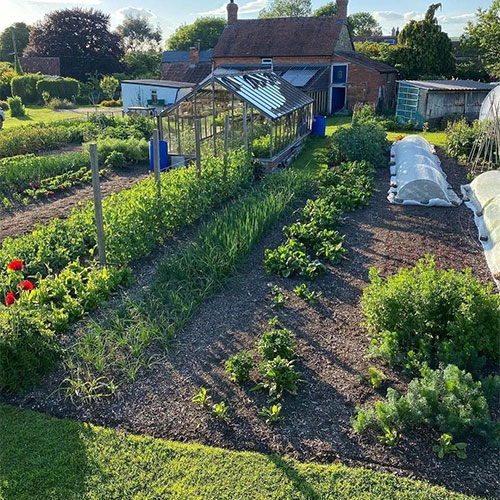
(272, 414)
(220, 410)
(446, 446)
(201, 397)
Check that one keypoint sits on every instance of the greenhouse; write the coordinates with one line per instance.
(259, 111)
(417, 177)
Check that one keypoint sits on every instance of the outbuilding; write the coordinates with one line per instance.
(153, 95)
(419, 102)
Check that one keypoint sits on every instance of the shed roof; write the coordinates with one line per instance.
(357, 58)
(178, 56)
(280, 37)
(273, 96)
(186, 72)
(450, 85)
(161, 83)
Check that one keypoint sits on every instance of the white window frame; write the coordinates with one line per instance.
(268, 61)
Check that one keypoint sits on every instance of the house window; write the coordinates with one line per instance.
(268, 61)
(154, 96)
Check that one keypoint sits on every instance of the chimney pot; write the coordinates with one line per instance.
(194, 55)
(232, 12)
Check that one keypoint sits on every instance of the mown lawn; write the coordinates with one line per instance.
(436, 138)
(38, 114)
(45, 458)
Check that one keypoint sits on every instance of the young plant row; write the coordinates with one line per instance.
(58, 258)
(117, 350)
(49, 136)
(314, 238)
(443, 328)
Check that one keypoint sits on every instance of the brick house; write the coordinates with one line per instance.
(315, 54)
(191, 66)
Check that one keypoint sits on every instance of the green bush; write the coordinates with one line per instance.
(4, 105)
(111, 103)
(133, 150)
(25, 87)
(261, 147)
(116, 160)
(277, 342)
(238, 367)
(460, 138)
(430, 315)
(56, 103)
(361, 142)
(16, 106)
(59, 88)
(448, 400)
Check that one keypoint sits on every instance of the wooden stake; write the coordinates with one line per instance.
(197, 132)
(245, 126)
(156, 155)
(226, 144)
(101, 242)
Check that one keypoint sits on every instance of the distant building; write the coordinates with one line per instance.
(186, 65)
(424, 101)
(315, 54)
(44, 65)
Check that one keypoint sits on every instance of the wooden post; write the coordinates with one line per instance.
(245, 126)
(156, 155)
(270, 138)
(197, 133)
(101, 242)
(214, 115)
(226, 144)
(159, 126)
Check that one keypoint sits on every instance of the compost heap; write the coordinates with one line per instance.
(482, 196)
(417, 177)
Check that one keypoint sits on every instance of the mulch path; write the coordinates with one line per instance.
(331, 356)
(22, 219)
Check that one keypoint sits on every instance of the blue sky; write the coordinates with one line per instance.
(171, 13)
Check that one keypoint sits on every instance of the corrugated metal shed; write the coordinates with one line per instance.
(449, 85)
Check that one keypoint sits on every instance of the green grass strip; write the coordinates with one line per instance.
(44, 458)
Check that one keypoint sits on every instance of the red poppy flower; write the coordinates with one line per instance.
(16, 265)
(26, 285)
(10, 298)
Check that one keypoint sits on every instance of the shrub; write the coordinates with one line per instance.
(429, 315)
(460, 138)
(16, 106)
(446, 399)
(361, 142)
(238, 367)
(4, 105)
(133, 150)
(56, 103)
(59, 88)
(111, 103)
(261, 147)
(25, 87)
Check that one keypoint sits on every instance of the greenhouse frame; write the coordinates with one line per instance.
(259, 111)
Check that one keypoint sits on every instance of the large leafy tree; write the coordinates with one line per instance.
(143, 64)
(423, 49)
(205, 30)
(329, 9)
(287, 8)
(21, 32)
(81, 38)
(364, 24)
(138, 34)
(484, 37)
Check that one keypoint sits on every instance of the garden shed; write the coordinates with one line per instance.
(431, 100)
(257, 110)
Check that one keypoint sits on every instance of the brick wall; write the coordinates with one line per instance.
(276, 60)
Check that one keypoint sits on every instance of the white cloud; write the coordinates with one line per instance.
(251, 7)
(385, 16)
(64, 2)
(134, 12)
(460, 19)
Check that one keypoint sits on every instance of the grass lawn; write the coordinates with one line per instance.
(38, 114)
(45, 458)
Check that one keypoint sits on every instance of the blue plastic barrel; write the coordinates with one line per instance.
(163, 156)
(319, 125)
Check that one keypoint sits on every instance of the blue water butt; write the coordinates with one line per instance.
(319, 125)
(163, 156)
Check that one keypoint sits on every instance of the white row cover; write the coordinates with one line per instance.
(482, 196)
(417, 177)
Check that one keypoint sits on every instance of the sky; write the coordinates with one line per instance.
(169, 14)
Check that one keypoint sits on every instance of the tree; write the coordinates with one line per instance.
(287, 8)
(329, 9)
(484, 36)
(364, 24)
(21, 32)
(81, 38)
(143, 64)
(108, 85)
(138, 34)
(205, 30)
(423, 49)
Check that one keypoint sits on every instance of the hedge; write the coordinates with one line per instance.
(25, 86)
(62, 88)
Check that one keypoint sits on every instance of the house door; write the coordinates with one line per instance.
(338, 98)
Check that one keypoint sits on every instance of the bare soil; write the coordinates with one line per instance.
(22, 219)
(332, 347)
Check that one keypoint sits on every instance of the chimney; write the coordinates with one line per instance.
(194, 56)
(342, 9)
(232, 12)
